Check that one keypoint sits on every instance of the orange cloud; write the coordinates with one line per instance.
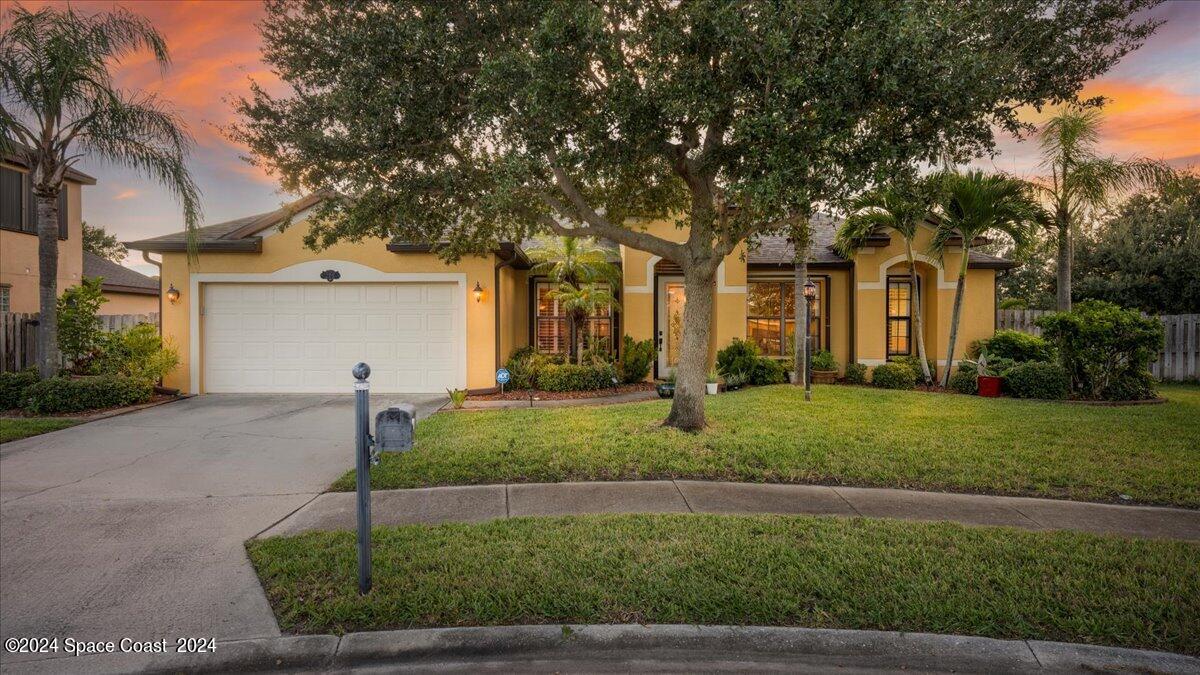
(126, 194)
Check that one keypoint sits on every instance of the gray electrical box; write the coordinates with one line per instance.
(394, 428)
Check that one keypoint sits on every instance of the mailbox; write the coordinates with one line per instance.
(394, 428)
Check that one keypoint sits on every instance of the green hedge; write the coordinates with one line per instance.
(914, 362)
(1106, 350)
(965, 381)
(856, 373)
(66, 395)
(13, 387)
(1018, 346)
(894, 376)
(570, 377)
(1038, 379)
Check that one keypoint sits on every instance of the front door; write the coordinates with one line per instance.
(671, 299)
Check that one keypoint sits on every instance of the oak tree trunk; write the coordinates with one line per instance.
(47, 334)
(1065, 261)
(687, 407)
(918, 322)
(959, 292)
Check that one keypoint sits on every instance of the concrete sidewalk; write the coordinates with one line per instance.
(625, 648)
(335, 510)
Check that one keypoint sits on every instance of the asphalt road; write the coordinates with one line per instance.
(134, 526)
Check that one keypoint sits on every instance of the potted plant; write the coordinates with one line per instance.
(988, 379)
(735, 381)
(666, 388)
(824, 367)
(712, 384)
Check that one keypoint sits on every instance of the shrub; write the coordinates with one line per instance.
(974, 348)
(822, 359)
(571, 377)
(1037, 379)
(740, 356)
(1018, 346)
(894, 376)
(856, 373)
(768, 371)
(965, 381)
(1133, 386)
(637, 357)
(914, 362)
(13, 386)
(1014, 303)
(138, 352)
(525, 364)
(1105, 349)
(79, 330)
(66, 395)
(458, 397)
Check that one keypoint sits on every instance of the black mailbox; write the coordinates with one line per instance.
(394, 428)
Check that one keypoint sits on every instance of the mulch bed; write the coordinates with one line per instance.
(87, 414)
(538, 395)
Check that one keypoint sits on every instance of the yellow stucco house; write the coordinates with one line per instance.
(260, 312)
(19, 240)
(127, 291)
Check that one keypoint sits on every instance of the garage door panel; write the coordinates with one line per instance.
(305, 337)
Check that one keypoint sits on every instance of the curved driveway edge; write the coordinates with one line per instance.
(654, 648)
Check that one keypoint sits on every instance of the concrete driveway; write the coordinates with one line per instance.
(133, 526)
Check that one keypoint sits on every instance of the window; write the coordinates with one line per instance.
(552, 330)
(771, 305)
(4, 301)
(17, 210)
(899, 316)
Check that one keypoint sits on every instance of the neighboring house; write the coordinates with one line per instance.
(127, 291)
(260, 312)
(19, 240)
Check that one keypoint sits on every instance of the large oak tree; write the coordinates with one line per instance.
(474, 122)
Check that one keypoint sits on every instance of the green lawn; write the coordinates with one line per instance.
(847, 435)
(13, 428)
(748, 570)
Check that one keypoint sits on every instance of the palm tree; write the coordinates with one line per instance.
(974, 205)
(58, 104)
(574, 262)
(900, 207)
(580, 303)
(1081, 180)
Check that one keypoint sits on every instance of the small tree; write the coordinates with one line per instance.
(103, 244)
(974, 205)
(900, 206)
(1105, 349)
(472, 123)
(58, 104)
(573, 263)
(1081, 180)
(79, 322)
(580, 302)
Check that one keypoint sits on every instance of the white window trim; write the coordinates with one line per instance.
(309, 273)
(722, 287)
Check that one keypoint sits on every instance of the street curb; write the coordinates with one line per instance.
(688, 647)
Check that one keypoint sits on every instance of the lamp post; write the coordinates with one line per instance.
(810, 293)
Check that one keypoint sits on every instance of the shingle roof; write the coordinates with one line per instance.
(232, 235)
(118, 278)
(778, 250)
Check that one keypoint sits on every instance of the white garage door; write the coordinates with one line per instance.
(268, 337)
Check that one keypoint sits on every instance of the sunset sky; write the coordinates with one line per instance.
(1155, 110)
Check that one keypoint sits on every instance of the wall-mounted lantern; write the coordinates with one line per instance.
(173, 294)
(478, 292)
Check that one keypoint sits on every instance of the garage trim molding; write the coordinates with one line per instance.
(308, 272)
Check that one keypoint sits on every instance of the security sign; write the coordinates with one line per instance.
(503, 376)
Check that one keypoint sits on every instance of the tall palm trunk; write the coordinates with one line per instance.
(1065, 262)
(917, 320)
(959, 291)
(687, 407)
(47, 334)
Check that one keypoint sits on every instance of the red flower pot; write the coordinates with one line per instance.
(989, 386)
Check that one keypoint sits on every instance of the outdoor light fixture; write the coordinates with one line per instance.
(173, 294)
(478, 292)
(810, 289)
(810, 293)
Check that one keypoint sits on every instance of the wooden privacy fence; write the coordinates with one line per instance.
(1179, 359)
(18, 335)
